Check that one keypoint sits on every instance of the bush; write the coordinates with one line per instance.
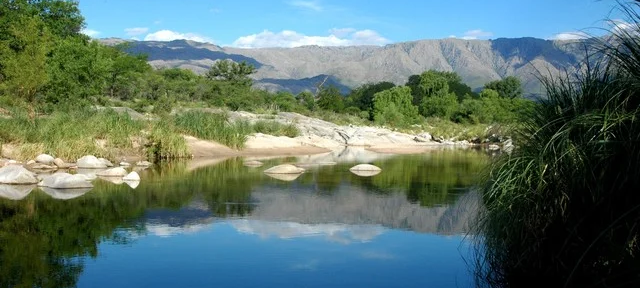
(394, 107)
(564, 208)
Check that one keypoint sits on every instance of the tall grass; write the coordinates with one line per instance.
(213, 126)
(564, 209)
(69, 135)
(276, 128)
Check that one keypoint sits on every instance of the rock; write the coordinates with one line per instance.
(106, 162)
(365, 167)
(133, 176)
(60, 163)
(507, 146)
(316, 164)
(31, 162)
(144, 163)
(65, 181)
(132, 184)
(15, 192)
(65, 194)
(494, 147)
(39, 166)
(475, 140)
(252, 163)
(284, 169)
(112, 180)
(284, 177)
(366, 173)
(17, 175)
(45, 159)
(124, 164)
(90, 162)
(113, 172)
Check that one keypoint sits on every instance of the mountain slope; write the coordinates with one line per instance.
(476, 61)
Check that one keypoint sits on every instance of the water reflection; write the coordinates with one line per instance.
(15, 192)
(65, 194)
(43, 239)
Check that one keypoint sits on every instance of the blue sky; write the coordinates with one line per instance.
(290, 23)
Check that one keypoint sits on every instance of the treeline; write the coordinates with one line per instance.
(47, 64)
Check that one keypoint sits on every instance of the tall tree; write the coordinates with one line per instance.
(24, 60)
(232, 72)
(509, 87)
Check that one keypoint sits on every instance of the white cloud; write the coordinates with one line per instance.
(310, 5)
(473, 35)
(570, 36)
(288, 38)
(618, 25)
(168, 35)
(476, 34)
(89, 32)
(136, 31)
(339, 233)
(342, 32)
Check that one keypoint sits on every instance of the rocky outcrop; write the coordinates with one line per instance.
(17, 175)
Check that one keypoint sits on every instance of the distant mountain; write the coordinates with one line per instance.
(297, 69)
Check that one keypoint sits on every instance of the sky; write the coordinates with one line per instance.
(292, 23)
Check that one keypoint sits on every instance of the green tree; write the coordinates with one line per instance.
(428, 84)
(394, 106)
(232, 72)
(509, 87)
(362, 97)
(329, 98)
(443, 106)
(307, 99)
(78, 70)
(24, 60)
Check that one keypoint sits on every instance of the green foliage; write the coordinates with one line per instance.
(70, 135)
(164, 142)
(563, 209)
(428, 84)
(232, 72)
(362, 97)
(276, 128)
(23, 58)
(213, 126)
(307, 99)
(394, 107)
(509, 87)
(329, 98)
(443, 106)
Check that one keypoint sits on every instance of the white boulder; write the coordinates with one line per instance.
(113, 172)
(45, 159)
(17, 175)
(284, 169)
(65, 181)
(106, 162)
(133, 176)
(144, 163)
(365, 167)
(65, 194)
(90, 162)
(253, 163)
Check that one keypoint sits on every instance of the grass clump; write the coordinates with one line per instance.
(69, 135)
(213, 126)
(276, 128)
(564, 209)
(164, 142)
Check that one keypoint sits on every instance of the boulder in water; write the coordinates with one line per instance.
(284, 169)
(133, 176)
(90, 162)
(17, 175)
(113, 172)
(65, 181)
(365, 167)
(45, 159)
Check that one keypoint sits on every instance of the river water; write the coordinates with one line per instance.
(216, 222)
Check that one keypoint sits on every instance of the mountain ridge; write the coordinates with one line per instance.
(476, 61)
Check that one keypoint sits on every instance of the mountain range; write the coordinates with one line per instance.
(302, 68)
